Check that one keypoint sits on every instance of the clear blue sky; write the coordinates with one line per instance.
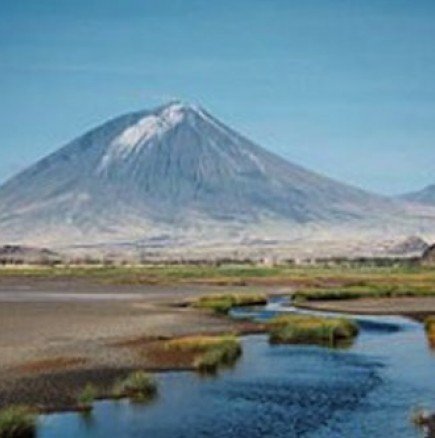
(346, 88)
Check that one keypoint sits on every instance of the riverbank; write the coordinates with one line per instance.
(369, 388)
(61, 332)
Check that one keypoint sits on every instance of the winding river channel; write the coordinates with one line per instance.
(366, 390)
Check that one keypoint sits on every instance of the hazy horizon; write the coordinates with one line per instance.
(346, 91)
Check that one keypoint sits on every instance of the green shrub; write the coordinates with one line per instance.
(17, 422)
(87, 396)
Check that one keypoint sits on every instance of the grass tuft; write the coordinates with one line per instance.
(420, 417)
(17, 422)
(294, 329)
(87, 397)
(210, 352)
(138, 386)
(429, 326)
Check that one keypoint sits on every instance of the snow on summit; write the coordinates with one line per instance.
(151, 126)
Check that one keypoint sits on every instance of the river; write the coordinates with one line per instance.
(366, 390)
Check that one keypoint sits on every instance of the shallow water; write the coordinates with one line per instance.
(44, 297)
(367, 390)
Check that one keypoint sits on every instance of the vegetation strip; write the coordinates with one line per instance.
(223, 303)
(363, 291)
(317, 276)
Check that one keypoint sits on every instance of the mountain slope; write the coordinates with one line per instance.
(425, 196)
(169, 173)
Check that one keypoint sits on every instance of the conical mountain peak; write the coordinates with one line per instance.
(170, 167)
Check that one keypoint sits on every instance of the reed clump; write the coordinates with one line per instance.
(301, 329)
(209, 353)
(424, 419)
(17, 422)
(87, 397)
(429, 326)
(138, 385)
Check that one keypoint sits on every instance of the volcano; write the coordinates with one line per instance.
(170, 174)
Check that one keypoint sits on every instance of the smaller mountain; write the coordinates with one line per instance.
(411, 245)
(19, 254)
(425, 196)
(428, 258)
